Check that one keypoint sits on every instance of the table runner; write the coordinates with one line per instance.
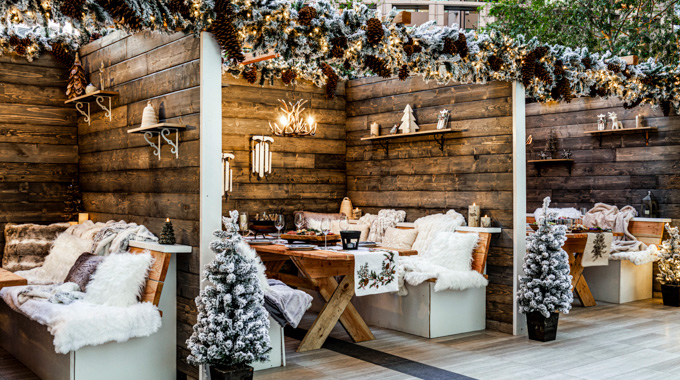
(597, 249)
(375, 270)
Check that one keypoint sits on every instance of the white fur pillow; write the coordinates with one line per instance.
(119, 280)
(452, 250)
(63, 254)
(398, 238)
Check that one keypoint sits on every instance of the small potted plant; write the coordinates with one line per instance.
(545, 288)
(669, 268)
(232, 328)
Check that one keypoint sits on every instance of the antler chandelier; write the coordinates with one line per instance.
(292, 123)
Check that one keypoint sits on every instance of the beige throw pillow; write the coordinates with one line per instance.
(399, 238)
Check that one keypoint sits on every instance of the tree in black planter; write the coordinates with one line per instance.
(669, 267)
(232, 330)
(545, 288)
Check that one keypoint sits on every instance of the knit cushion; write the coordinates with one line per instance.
(27, 245)
(398, 238)
(82, 270)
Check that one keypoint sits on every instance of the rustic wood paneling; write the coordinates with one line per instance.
(308, 172)
(38, 141)
(416, 176)
(119, 175)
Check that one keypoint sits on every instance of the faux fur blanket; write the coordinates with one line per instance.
(610, 217)
(83, 324)
(115, 237)
(86, 230)
(428, 226)
(65, 293)
(649, 255)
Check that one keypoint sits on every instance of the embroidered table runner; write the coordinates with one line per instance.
(597, 249)
(375, 271)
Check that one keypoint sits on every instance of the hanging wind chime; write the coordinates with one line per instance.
(292, 122)
(262, 155)
(227, 173)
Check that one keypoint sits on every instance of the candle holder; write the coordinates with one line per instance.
(473, 215)
(350, 239)
(486, 221)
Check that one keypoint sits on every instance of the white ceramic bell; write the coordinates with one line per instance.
(149, 116)
(90, 88)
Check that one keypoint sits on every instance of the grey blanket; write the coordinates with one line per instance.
(285, 304)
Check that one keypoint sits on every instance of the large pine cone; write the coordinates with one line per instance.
(559, 68)
(122, 13)
(227, 36)
(403, 72)
(305, 15)
(181, 7)
(461, 45)
(586, 63)
(613, 67)
(331, 80)
(346, 65)
(72, 8)
(20, 48)
(495, 62)
(542, 74)
(450, 46)
(250, 75)
(374, 31)
(378, 66)
(62, 55)
(410, 47)
(528, 72)
(562, 89)
(288, 76)
(14, 40)
(339, 46)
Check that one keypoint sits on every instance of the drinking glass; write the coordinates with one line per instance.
(299, 221)
(344, 224)
(325, 229)
(584, 211)
(279, 223)
(243, 223)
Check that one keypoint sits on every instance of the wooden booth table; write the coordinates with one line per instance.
(8, 278)
(318, 269)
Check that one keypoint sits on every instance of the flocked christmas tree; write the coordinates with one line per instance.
(233, 326)
(408, 121)
(546, 285)
(167, 233)
(669, 258)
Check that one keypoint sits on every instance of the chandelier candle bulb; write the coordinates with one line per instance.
(473, 215)
(486, 221)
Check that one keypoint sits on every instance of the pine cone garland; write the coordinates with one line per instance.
(62, 55)
(305, 15)
(495, 62)
(378, 66)
(72, 8)
(450, 46)
(403, 72)
(461, 45)
(250, 75)
(331, 80)
(181, 7)
(613, 67)
(563, 90)
(339, 46)
(410, 47)
(559, 68)
(23, 44)
(633, 104)
(542, 74)
(374, 31)
(14, 40)
(122, 13)
(288, 76)
(346, 65)
(227, 36)
(647, 80)
(528, 72)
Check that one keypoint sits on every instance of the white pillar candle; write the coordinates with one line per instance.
(375, 129)
(473, 215)
(82, 217)
(486, 221)
(638, 121)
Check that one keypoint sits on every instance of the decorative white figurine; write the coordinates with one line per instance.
(443, 119)
(616, 124)
(408, 121)
(90, 88)
(149, 116)
(601, 122)
(394, 129)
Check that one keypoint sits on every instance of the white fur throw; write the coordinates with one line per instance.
(570, 212)
(448, 260)
(251, 254)
(86, 230)
(428, 226)
(63, 255)
(83, 324)
(119, 280)
(399, 239)
(649, 255)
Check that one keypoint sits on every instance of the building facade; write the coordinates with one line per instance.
(466, 14)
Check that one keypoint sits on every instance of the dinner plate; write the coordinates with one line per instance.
(260, 242)
(368, 244)
(301, 247)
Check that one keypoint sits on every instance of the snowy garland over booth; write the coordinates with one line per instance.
(317, 42)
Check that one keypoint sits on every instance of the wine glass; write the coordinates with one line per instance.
(279, 223)
(299, 221)
(344, 224)
(325, 229)
(584, 211)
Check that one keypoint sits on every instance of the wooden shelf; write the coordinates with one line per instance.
(624, 131)
(553, 161)
(157, 128)
(437, 134)
(89, 98)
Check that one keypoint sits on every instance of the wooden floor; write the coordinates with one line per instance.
(639, 340)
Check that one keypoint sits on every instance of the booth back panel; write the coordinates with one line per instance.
(475, 165)
(38, 141)
(121, 179)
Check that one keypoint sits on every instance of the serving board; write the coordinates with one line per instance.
(311, 239)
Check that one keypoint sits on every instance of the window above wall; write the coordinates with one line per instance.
(466, 17)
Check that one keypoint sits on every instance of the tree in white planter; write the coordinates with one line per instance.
(232, 329)
(545, 287)
(669, 267)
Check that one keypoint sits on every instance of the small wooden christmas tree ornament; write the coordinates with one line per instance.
(76, 80)
(408, 121)
(167, 234)
(149, 116)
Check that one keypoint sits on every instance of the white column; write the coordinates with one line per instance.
(519, 198)
(210, 147)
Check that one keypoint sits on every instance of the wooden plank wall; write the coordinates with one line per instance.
(620, 172)
(475, 166)
(308, 173)
(119, 175)
(38, 141)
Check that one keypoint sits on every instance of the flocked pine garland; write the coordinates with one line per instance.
(351, 43)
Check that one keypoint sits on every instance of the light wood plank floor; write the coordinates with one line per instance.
(639, 340)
